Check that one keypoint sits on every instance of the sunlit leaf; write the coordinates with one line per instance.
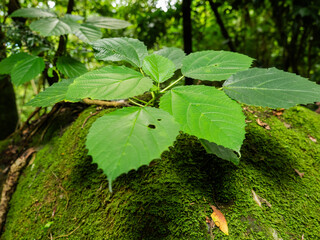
(72, 21)
(219, 220)
(32, 13)
(142, 134)
(176, 55)
(8, 63)
(206, 113)
(51, 27)
(108, 83)
(158, 68)
(27, 69)
(53, 94)
(107, 22)
(271, 88)
(70, 66)
(214, 65)
(121, 49)
(220, 151)
(88, 33)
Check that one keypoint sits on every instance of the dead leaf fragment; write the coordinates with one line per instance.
(263, 124)
(299, 173)
(259, 200)
(287, 125)
(312, 139)
(219, 220)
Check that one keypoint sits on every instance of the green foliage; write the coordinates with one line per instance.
(142, 134)
(106, 22)
(55, 93)
(121, 49)
(111, 82)
(27, 69)
(271, 88)
(70, 67)
(7, 64)
(32, 13)
(214, 65)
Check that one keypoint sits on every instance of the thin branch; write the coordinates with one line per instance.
(120, 103)
(221, 25)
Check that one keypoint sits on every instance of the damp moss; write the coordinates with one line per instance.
(62, 194)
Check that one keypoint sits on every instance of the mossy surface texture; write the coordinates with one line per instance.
(61, 194)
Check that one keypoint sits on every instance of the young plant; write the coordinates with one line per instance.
(132, 136)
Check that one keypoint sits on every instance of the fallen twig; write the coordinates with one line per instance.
(120, 103)
(9, 186)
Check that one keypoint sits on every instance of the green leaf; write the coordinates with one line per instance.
(142, 134)
(32, 13)
(220, 151)
(53, 94)
(271, 88)
(8, 63)
(72, 21)
(88, 33)
(214, 65)
(26, 70)
(206, 113)
(111, 82)
(176, 55)
(106, 22)
(51, 27)
(71, 67)
(121, 49)
(158, 68)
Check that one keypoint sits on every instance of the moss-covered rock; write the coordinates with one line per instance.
(62, 194)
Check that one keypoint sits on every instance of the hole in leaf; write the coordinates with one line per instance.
(151, 126)
(159, 119)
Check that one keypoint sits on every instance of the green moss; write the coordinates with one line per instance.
(62, 193)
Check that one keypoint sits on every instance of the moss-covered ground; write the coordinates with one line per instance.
(61, 194)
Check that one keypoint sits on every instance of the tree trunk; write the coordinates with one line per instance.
(187, 31)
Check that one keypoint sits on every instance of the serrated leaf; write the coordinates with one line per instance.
(214, 65)
(71, 67)
(51, 27)
(271, 88)
(176, 55)
(206, 113)
(220, 151)
(121, 49)
(53, 94)
(142, 134)
(8, 63)
(32, 13)
(88, 33)
(72, 21)
(27, 69)
(158, 68)
(107, 22)
(111, 82)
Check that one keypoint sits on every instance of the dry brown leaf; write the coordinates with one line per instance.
(219, 220)
(287, 125)
(312, 139)
(259, 200)
(263, 124)
(299, 173)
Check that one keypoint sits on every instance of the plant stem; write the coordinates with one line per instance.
(135, 103)
(139, 100)
(141, 71)
(176, 81)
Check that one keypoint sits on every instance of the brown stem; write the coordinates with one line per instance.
(105, 103)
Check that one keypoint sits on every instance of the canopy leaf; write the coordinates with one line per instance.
(107, 22)
(88, 33)
(220, 151)
(27, 69)
(53, 94)
(214, 65)
(158, 68)
(32, 13)
(8, 63)
(142, 134)
(108, 83)
(271, 88)
(51, 27)
(121, 49)
(206, 113)
(176, 55)
(70, 66)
